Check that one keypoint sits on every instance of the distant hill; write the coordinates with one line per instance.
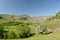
(24, 18)
(9, 17)
(41, 18)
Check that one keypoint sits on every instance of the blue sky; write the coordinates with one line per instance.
(30, 7)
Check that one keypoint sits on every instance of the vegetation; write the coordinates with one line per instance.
(53, 36)
(15, 30)
(27, 28)
(43, 29)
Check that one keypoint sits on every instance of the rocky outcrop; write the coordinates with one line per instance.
(56, 30)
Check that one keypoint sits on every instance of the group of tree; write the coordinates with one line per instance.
(22, 29)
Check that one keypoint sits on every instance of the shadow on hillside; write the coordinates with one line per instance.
(27, 36)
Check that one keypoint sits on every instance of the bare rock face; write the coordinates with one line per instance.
(56, 30)
(49, 30)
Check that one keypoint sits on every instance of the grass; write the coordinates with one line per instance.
(53, 36)
(53, 23)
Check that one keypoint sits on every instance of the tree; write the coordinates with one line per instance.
(58, 15)
(3, 33)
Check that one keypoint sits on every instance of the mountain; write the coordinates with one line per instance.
(24, 18)
(40, 18)
(9, 17)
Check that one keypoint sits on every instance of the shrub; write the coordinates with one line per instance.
(24, 31)
(43, 29)
(12, 35)
(3, 33)
(19, 30)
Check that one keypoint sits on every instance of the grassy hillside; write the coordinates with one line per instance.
(55, 36)
(24, 27)
(53, 22)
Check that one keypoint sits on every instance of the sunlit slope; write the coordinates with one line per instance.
(8, 17)
(53, 22)
(54, 36)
